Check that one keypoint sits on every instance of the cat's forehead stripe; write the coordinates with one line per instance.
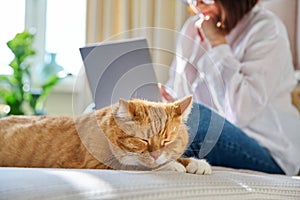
(159, 118)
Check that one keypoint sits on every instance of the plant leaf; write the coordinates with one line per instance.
(21, 45)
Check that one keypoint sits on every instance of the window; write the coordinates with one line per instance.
(10, 23)
(65, 31)
(60, 28)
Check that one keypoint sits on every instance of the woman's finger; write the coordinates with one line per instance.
(165, 95)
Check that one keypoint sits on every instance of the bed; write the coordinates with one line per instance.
(224, 183)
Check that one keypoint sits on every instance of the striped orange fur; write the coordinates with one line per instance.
(135, 134)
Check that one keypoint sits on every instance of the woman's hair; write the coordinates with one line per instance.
(235, 10)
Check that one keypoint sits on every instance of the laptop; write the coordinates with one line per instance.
(120, 69)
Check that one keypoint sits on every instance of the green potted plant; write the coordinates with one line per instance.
(16, 90)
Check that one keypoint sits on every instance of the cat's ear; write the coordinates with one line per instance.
(123, 110)
(183, 107)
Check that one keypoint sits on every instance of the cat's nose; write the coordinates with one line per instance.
(155, 154)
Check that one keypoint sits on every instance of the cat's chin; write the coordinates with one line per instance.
(133, 161)
(150, 163)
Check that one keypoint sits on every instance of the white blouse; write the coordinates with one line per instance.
(248, 81)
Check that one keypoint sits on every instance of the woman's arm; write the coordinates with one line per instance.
(250, 82)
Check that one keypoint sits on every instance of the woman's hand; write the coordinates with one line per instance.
(213, 33)
(166, 96)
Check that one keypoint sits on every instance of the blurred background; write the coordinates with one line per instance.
(61, 27)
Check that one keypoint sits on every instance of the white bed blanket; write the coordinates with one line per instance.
(36, 183)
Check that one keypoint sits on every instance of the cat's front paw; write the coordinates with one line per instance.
(197, 166)
(172, 166)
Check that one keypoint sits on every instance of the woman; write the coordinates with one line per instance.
(234, 57)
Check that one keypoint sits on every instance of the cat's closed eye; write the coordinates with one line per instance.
(165, 142)
(170, 137)
(133, 144)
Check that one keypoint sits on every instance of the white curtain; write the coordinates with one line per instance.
(157, 20)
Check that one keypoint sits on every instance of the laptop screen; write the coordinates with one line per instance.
(120, 69)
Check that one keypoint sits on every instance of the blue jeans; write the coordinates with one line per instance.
(222, 144)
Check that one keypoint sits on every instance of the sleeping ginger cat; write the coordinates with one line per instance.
(129, 135)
